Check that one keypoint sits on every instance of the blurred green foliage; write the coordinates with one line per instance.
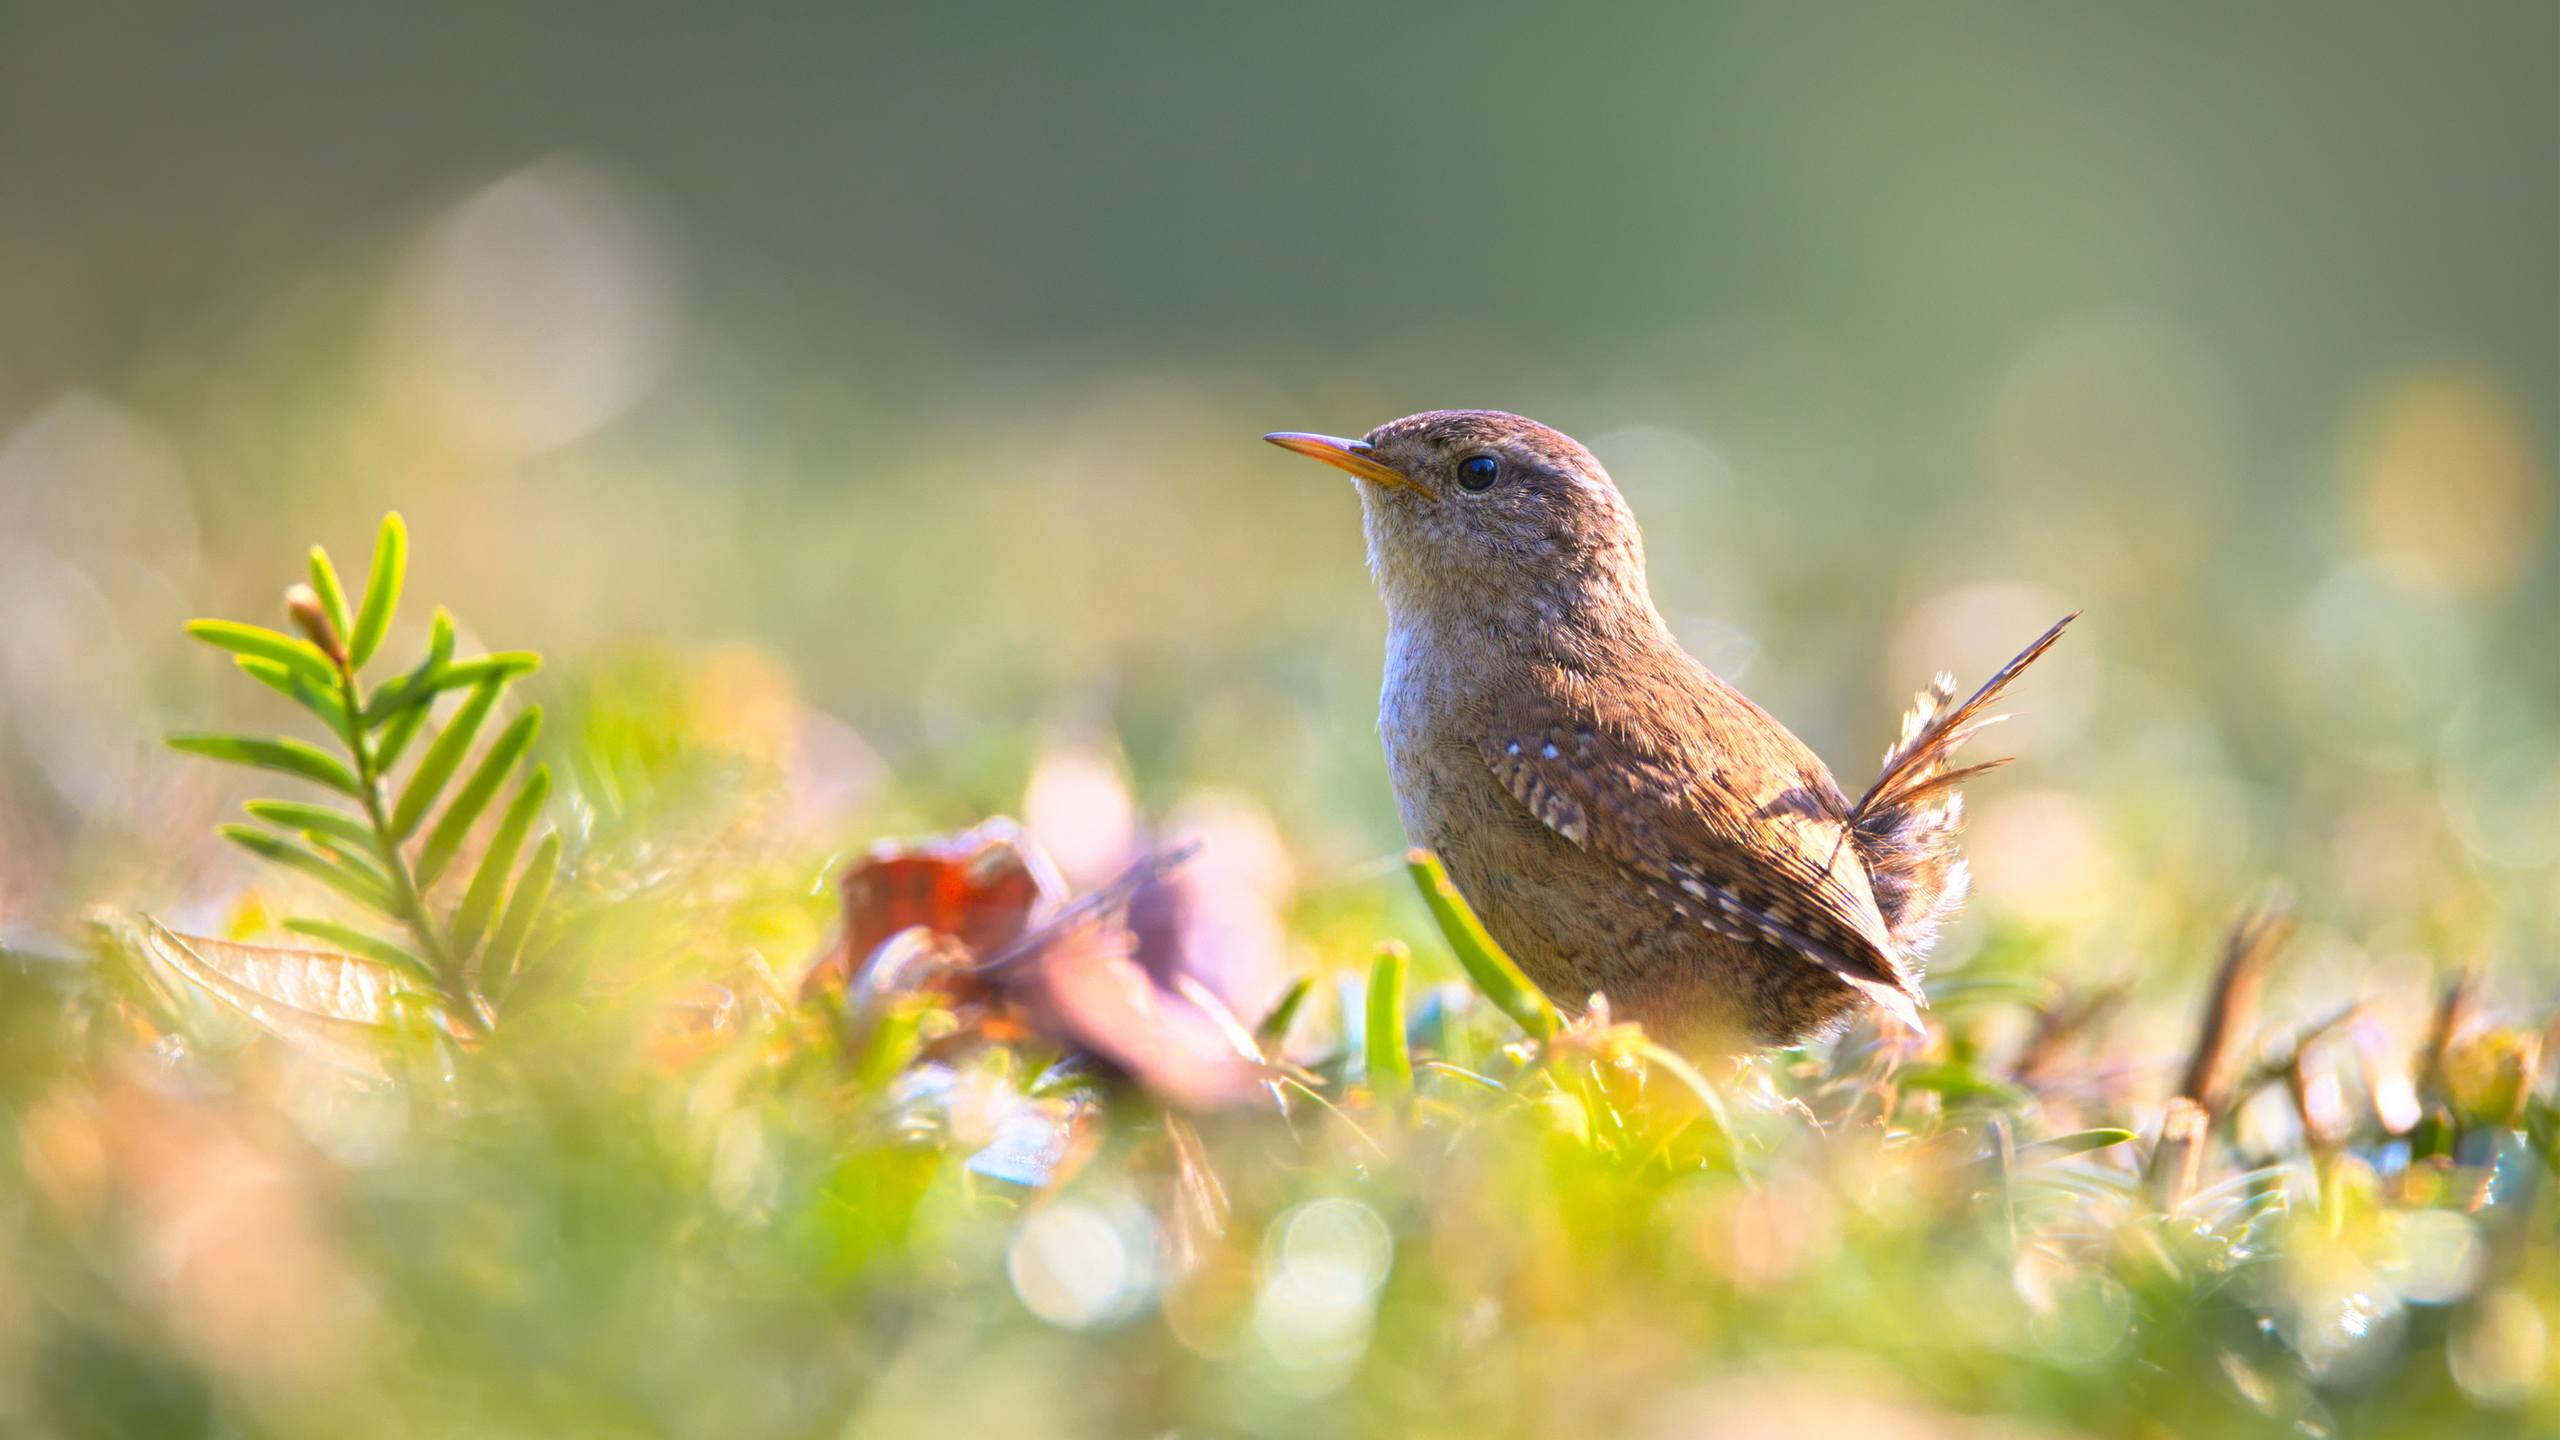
(859, 409)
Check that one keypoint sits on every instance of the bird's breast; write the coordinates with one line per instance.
(1431, 723)
(1415, 701)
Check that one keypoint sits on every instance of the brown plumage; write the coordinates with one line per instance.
(1625, 821)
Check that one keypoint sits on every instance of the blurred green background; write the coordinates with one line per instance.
(913, 362)
(860, 410)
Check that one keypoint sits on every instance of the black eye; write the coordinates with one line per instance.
(1478, 472)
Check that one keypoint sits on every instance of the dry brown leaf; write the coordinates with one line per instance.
(341, 1008)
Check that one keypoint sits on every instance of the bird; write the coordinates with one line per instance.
(1627, 825)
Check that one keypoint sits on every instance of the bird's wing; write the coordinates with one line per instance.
(1742, 833)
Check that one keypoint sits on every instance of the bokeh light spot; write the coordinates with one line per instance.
(1323, 1263)
(2445, 481)
(539, 309)
(1072, 1266)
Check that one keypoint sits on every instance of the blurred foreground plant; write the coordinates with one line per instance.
(374, 845)
(998, 1161)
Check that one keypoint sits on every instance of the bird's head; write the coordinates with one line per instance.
(1486, 514)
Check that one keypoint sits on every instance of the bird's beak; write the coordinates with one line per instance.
(1349, 455)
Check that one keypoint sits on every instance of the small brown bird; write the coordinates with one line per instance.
(1625, 822)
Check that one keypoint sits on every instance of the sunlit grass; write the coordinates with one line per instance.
(665, 1194)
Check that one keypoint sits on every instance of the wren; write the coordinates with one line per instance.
(1625, 822)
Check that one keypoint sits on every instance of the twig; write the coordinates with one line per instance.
(2286, 1057)
(2232, 1008)
(2177, 1161)
(2439, 1129)
(2057, 1025)
(2454, 1009)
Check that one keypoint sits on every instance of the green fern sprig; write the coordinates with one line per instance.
(374, 844)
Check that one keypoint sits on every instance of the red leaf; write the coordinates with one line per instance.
(985, 888)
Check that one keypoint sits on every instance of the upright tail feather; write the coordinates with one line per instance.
(1905, 826)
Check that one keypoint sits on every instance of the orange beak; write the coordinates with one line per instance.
(1348, 455)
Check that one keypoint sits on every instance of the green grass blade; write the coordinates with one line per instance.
(1494, 973)
(295, 686)
(355, 860)
(371, 947)
(405, 723)
(480, 899)
(1390, 1063)
(294, 816)
(333, 596)
(394, 740)
(285, 756)
(2078, 1142)
(410, 691)
(503, 665)
(416, 683)
(533, 888)
(1961, 1082)
(475, 794)
(1710, 1100)
(1275, 1024)
(300, 656)
(279, 851)
(437, 765)
(381, 590)
(420, 687)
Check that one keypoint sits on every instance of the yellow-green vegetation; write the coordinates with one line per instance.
(651, 1190)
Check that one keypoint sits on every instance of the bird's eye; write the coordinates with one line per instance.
(1478, 472)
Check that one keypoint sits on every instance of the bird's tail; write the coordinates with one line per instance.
(1906, 824)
